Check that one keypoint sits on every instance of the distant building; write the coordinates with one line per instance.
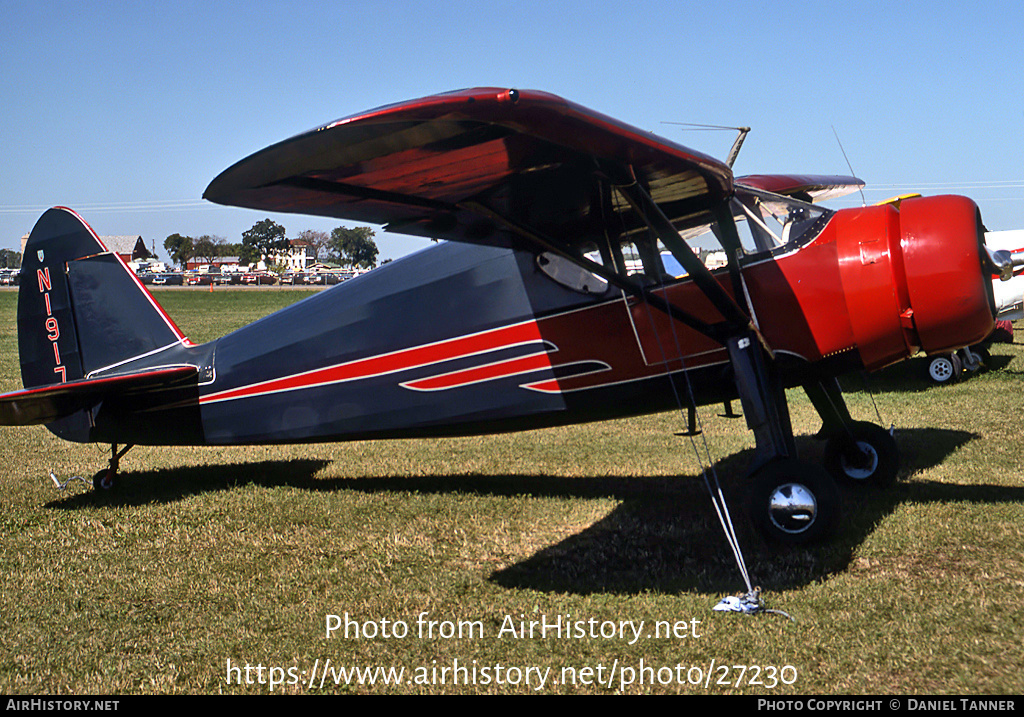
(716, 259)
(297, 257)
(129, 248)
(223, 264)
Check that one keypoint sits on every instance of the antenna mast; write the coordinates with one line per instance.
(863, 199)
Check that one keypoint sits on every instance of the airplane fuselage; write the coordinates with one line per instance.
(465, 339)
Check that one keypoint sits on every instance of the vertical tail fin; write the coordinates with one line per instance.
(80, 309)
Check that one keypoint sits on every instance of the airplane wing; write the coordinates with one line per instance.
(444, 166)
(46, 404)
(815, 188)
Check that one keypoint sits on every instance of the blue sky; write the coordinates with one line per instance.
(126, 111)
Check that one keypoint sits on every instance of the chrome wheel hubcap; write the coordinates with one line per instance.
(792, 508)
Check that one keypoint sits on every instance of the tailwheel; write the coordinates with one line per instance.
(863, 454)
(106, 479)
(794, 502)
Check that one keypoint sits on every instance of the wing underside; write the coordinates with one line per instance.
(445, 166)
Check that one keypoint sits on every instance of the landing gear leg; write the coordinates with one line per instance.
(827, 399)
(763, 399)
(792, 501)
(106, 479)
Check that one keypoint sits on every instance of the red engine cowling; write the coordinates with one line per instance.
(950, 289)
(913, 278)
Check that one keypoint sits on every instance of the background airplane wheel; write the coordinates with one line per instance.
(944, 369)
(983, 355)
(878, 462)
(794, 502)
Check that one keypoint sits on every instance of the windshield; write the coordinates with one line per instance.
(775, 221)
(767, 224)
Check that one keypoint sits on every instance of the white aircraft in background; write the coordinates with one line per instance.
(1009, 304)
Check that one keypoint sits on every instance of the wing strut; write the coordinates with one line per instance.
(781, 509)
(651, 213)
(718, 332)
(757, 380)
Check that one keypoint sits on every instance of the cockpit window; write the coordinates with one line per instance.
(767, 224)
(774, 221)
(636, 257)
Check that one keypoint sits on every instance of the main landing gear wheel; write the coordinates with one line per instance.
(794, 502)
(865, 454)
(945, 369)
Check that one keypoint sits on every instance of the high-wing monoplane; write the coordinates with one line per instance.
(570, 288)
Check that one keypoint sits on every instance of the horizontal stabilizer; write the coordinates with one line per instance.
(42, 405)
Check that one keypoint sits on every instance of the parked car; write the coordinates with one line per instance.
(256, 278)
(168, 279)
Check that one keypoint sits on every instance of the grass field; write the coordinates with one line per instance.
(217, 570)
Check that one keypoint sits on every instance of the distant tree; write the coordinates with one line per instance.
(179, 248)
(10, 259)
(354, 247)
(263, 239)
(209, 248)
(317, 241)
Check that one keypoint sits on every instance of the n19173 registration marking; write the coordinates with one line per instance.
(51, 324)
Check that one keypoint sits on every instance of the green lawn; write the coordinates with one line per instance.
(219, 570)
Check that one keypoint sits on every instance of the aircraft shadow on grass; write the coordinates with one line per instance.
(664, 536)
(169, 485)
(673, 542)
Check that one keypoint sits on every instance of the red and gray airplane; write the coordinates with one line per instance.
(569, 288)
